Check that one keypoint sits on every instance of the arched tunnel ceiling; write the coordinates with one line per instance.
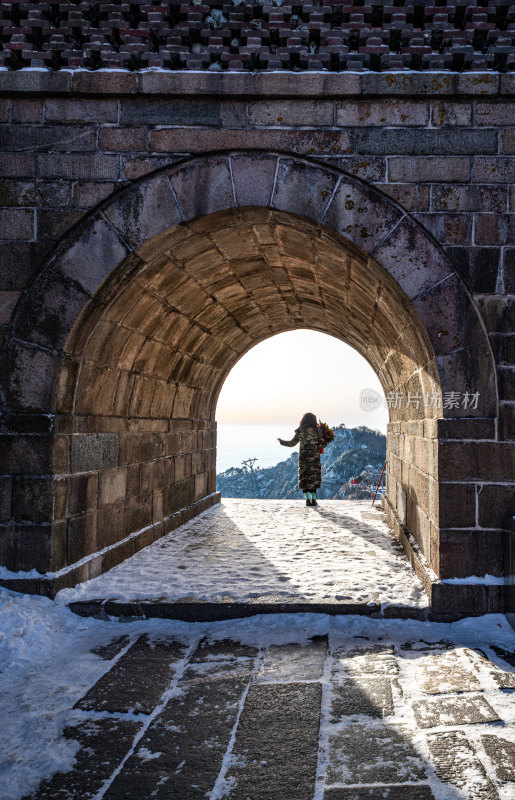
(206, 291)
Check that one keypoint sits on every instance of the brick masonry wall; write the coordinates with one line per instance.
(440, 145)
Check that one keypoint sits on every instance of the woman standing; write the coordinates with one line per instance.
(311, 440)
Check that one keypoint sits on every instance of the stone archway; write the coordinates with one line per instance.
(117, 352)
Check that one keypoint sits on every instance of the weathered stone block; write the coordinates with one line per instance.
(445, 141)
(499, 169)
(18, 223)
(278, 733)
(137, 680)
(89, 194)
(411, 259)
(303, 189)
(203, 187)
(469, 552)
(94, 451)
(104, 741)
(27, 109)
(493, 113)
(81, 537)
(381, 753)
(81, 110)
(82, 493)
(93, 255)
(30, 455)
(53, 307)
(78, 166)
(413, 169)
(17, 165)
(277, 113)
(32, 499)
(145, 212)
(451, 113)
(150, 111)
(457, 763)
(362, 113)
(494, 229)
(53, 137)
(253, 179)
(110, 524)
(129, 139)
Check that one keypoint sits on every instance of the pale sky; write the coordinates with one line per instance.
(291, 373)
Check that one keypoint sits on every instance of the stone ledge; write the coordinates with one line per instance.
(200, 611)
(279, 84)
(98, 564)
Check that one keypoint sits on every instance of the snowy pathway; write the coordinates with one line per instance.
(276, 707)
(273, 550)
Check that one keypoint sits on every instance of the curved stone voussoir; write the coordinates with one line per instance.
(46, 316)
(148, 209)
(361, 215)
(203, 186)
(253, 176)
(93, 255)
(448, 316)
(303, 189)
(412, 259)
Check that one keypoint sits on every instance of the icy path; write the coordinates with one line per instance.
(276, 550)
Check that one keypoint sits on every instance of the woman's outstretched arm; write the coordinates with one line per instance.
(290, 442)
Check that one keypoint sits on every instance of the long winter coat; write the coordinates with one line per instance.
(311, 440)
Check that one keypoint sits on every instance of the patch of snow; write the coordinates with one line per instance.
(490, 580)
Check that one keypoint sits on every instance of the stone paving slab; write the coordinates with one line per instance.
(375, 660)
(445, 672)
(457, 763)
(137, 680)
(103, 743)
(276, 748)
(503, 679)
(370, 697)
(407, 792)
(292, 662)
(373, 753)
(181, 753)
(457, 710)
(501, 752)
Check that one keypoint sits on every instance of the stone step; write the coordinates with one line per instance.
(200, 611)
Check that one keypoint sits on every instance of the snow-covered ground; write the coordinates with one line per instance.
(247, 549)
(46, 665)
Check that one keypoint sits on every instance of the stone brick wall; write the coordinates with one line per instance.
(440, 145)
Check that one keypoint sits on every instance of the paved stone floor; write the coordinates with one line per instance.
(362, 714)
(270, 551)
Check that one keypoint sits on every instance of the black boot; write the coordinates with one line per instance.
(309, 502)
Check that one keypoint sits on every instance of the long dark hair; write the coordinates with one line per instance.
(308, 419)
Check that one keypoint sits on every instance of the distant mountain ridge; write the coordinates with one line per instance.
(350, 466)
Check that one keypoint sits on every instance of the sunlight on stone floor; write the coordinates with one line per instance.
(274, 549)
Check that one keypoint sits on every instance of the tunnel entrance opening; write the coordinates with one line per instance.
(268, 391)
(126, 337)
